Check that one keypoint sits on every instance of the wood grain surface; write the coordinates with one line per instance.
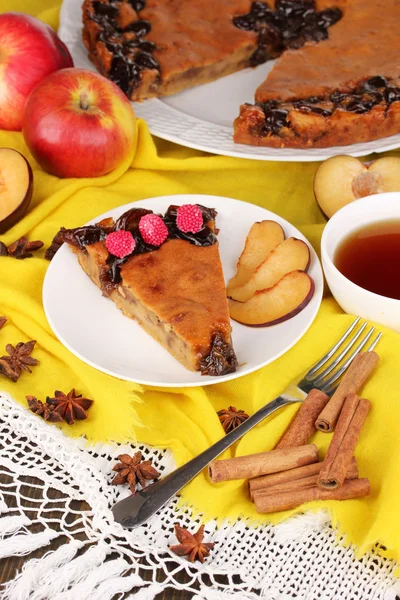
(9, 567)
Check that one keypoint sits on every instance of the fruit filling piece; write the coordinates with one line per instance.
(290, 25)
(270, 117)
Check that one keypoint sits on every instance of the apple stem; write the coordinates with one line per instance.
(83, 103)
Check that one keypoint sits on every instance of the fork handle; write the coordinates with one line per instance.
(133, 513)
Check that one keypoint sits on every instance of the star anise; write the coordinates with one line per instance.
(134, 470)
(191, 545)
(71, 407)
(7, 370)
(3, 321)
(23, 248)
(231, 418)
(47, 411)
(19, 359)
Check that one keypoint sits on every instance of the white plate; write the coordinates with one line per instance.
(93, 329)
(202, 117)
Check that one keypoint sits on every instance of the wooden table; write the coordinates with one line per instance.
(9, 567)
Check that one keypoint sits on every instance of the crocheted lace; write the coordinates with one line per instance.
(98, 559)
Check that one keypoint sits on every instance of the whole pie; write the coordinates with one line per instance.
(170, 280)
(337, 80)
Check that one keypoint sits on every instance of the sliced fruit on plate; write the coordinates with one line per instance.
(263, 237)
(290, 255)
(343, 179)
(16, 185)
(272, 306)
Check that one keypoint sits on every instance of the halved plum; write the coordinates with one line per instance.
(16, 186)
(261, 239)
(277, 304)
(342, 179)
(290, 255)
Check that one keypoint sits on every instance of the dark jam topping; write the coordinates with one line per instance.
(221, 360)
(129, 221)
(374, 83)
(141, 28)
(290, 25)
(125, 74)
(392, 94)
(105, 10)
(204, 237)
(83, 236)
(127, 63)
(309, 107)
(137, 5)
(147, 47)
(374, 91)
(276, 119)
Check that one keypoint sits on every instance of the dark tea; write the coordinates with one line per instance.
(370, 258)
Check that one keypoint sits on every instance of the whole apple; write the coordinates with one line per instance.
(29, 50)
(77, 123)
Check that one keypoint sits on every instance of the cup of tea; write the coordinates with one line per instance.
(360, 250)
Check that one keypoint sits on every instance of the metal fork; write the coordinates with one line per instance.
(138, 508)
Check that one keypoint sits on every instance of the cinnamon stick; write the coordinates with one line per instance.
(303, 425)
(289, 486)
(353, 488)
(253, 465)
(344, 441)
(293, 486)
(271, 482)
(360, 369)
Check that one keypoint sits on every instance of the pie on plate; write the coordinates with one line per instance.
(336, 82)
(90, 326)
(166, 273)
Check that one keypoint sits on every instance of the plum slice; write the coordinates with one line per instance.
(277, 304)
(261, 239)
(16, 186)
(290, 255)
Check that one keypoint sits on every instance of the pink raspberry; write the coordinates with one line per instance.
(189, 218)
(153, 229)
(120, 243)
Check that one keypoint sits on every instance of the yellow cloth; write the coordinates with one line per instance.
(185, 420)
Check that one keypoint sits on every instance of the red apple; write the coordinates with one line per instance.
(29, 50)
(77, 123)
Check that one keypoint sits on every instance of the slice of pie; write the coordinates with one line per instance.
(170, 280)
(343, 90)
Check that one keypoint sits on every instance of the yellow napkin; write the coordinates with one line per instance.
(185, 420)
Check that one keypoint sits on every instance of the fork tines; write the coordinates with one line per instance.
(339, 357)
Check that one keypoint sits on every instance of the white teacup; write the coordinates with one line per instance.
(351, 297)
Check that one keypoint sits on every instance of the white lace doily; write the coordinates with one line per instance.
(100, 560)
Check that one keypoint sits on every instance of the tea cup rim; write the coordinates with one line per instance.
(357, 207)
